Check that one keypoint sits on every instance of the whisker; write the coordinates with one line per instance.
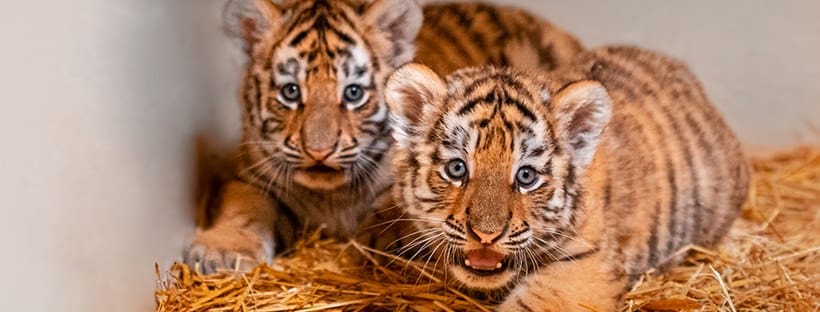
(419, 232)
(427, 243)
(264, 160)
(407, 220)
(433, 253)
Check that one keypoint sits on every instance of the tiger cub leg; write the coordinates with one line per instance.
(241, 235)
(592, 283)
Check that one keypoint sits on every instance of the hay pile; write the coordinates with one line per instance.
(769, 262)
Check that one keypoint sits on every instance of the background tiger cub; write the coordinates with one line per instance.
(546, 192)
(316, 132)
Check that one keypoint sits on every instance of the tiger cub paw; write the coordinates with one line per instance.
(226, 248)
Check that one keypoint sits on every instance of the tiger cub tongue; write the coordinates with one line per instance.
(484, 259)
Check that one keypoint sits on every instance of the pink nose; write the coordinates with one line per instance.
(319, 155)
(486, 238)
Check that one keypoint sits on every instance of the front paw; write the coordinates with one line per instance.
(226, 248)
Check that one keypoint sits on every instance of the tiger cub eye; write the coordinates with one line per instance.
(526, 177)
(291, 92)
(456, 169)
(353, 93)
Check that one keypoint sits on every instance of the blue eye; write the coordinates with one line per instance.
(291, 93)
(526, 177)
(456, 169)
(353, 93)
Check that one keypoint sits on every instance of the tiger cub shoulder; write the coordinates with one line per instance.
(589, 174)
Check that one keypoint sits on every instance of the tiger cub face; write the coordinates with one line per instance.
(483, 160)
(314, 113)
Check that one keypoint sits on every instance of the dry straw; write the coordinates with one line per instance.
(769, 262)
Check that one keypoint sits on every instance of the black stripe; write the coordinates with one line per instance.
(300, 19)
(343, 36)
(299, 37)
(342, 17)
(536, 152)
(707, 147)
(258, 86)
(571, 194)
(469, 106)
(511, 81)
(413, 163)
(469, 89)
(521, 108)
(607, 192)
(653, 236)
(523, 306)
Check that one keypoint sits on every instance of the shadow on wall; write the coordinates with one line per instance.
(184, 86)
(185, 74)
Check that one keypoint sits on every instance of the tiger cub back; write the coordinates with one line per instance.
(553, 191)
(458, 35)
(663, 125)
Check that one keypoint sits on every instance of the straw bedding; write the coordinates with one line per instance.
(769, 262)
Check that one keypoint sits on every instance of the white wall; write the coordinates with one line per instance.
(101, 101)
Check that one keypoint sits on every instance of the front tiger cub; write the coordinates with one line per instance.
(555, 191)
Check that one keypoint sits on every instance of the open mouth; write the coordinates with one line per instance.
(484, 262)
(321, 169)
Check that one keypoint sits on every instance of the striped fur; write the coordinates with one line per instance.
(458, 35)
(632, 162)
(312, 154)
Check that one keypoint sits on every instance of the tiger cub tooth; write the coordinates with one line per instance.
(498, 265)
(467, 262)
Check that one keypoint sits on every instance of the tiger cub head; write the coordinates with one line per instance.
(312, 92)
(488, 165)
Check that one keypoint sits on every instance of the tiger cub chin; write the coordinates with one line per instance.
(553, 191)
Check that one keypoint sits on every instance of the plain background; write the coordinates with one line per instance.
(101, 100)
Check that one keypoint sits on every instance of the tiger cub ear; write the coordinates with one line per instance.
(392, 26)
(581, 110)
(410, 93)
(251, 20)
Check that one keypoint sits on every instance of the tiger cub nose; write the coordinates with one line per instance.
(319, 154)
(486, 238)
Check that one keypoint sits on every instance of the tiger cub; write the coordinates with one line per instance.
(554, 191)
(316, 133)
